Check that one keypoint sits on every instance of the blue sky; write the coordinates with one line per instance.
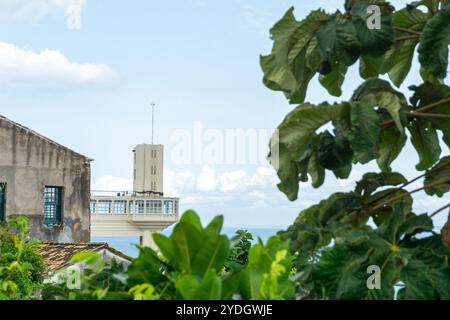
(90, 89)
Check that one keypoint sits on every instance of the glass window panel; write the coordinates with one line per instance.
(52, 205)
(92, 206)
(168, 206)
(120, 206)
(104, 206)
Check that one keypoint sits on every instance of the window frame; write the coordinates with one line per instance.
(3, 190)
(56, 204)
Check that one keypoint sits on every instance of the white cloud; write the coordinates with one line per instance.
(110, 183)
(34, 10)
(178, 181)
(20, 67)
(210, 187)
(233, 180)
(213, 191)
(207, 179)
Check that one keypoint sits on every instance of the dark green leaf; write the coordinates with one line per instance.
(334, 152)
(426, 142)
(338, 41)
(376, 41)
(439, 174)
(390, 145)
(365, 132)
(434, 41)
(333, 80)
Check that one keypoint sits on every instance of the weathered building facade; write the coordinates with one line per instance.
(45, 181)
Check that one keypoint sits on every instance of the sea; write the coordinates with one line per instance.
(128, 245)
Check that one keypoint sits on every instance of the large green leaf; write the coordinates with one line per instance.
(375, 41)
(390, 145)
(316, 171)
(341, 270)
(333, 81)
(334, 152)
(426, 274)
(293, 61)
(192, 218)
(267, 273)
(315, 226)
(426, 142)
(365, 133)
(211, 255)
(434, 42)
(147, 269)
(402, 56)
(187, 241)
(372, 181)
(379, 93)
(338, 41)
(439, 173)
(208, 288)
(195, 250)
(369, 67)
(292, 139)
(429, 93)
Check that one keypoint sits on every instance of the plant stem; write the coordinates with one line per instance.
(409, 37)
(408, 30)
(432, 105)
(420, 110)
(429, 172)
(398, 197)
(430, 115)
(439, 210)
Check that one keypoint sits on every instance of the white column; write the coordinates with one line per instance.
(147, 239)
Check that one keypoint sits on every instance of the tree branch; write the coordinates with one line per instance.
(429, 115)
(420, 110)
(409, 37)
(408, 30)
(439, 210)
(398, 197)
(430, 172)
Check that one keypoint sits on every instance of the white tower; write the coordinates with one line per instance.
(145, 210)
(148, 169)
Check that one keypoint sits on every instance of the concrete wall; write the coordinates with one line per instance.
(28, 163)
(148, 168)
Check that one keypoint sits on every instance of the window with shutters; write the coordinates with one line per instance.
(2, 201)
(53, 205)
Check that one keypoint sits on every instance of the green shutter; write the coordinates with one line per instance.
(52, 205)
(2, 201)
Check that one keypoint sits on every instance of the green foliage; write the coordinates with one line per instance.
(396, 243)
(337, 240)
(240, 247)
(437, 180)
(21, 266)
(194, 249)
(434, 41)
(267, 273)
(195, 262)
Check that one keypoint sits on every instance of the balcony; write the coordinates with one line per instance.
(127, 214)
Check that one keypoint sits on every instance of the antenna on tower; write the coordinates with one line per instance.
(153, 118)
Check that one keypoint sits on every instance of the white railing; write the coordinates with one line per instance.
(123, 204)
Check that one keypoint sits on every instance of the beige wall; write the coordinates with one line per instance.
(28, 163)
(148, 168)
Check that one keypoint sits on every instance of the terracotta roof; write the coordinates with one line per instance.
(18, 125)
(58, 255)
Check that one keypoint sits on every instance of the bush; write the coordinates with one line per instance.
(21, 266)
(195, 262)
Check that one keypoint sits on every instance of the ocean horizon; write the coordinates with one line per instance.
(128, 245)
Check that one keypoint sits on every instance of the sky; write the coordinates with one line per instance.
(88, 83)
